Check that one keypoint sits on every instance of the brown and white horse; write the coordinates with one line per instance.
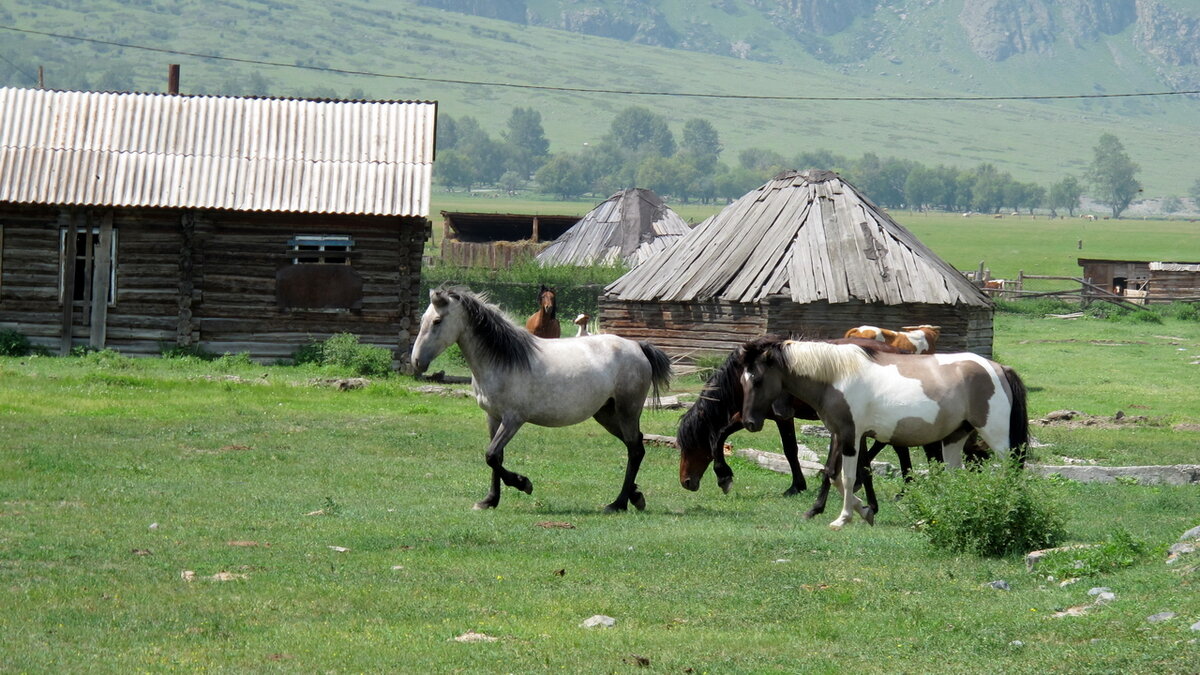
(906, 400)
(544, 322)
(912, 339)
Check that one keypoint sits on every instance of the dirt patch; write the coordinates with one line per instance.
(1073, 419)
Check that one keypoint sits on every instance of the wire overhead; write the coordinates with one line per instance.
(586, 90)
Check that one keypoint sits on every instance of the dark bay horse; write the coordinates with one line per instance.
(717, 414)
(862, 392)
(520, 378)
(544, 322)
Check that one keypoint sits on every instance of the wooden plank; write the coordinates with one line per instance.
(68, 284)
(101, 271)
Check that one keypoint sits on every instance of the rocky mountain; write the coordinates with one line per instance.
(1166, 33)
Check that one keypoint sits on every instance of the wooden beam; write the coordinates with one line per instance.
(101, 278)
(68, 283)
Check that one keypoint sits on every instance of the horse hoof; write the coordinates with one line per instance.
(792, 491)
(484, 505)
(614, 508)
(725, 484)
(524, 485)
(838, 524)
(808, 515)
(869, 516)
(638, 500)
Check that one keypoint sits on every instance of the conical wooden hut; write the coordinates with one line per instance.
(805, 254)
(628, 227)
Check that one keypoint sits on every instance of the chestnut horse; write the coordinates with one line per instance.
(544, 322)
(861, 392)
(912, 339)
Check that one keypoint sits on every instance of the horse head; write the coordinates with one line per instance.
(548, 301)
(761, 364)
(441, 325)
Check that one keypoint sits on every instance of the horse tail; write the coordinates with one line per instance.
(660, 368)
(1018, 416)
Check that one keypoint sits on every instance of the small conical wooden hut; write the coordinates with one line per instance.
(627, 228)
(805, 254)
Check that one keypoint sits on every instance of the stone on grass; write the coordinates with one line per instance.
(1098, 590)
(1193, 533)
(599, 621)
(1161, 617)
(1196, 626)
(472, 636)
(999, 585)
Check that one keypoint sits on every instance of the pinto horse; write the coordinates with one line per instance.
(544, 322)
(717, 414)
(520, 378)
(912, 339)
(861, 392)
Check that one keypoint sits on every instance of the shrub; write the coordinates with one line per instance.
(177, 351)
(1035, 306)
(13, 343)
(707, 365)
(1118, 551)
(987, 512)
(343, 350)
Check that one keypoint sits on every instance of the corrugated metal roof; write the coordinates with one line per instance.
(1174, 267)
(628, 227)
(249, 154)
(807, 236)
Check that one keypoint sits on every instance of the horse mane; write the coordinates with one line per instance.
(823, 361)
(720, 398)
(502, 343)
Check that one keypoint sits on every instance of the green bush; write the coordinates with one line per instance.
(13, 343)
(515, 289)
(344, 351)
(1035, 306)
(990, 512)
(1118, 551)
(177, 351)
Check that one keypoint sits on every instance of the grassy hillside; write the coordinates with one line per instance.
(1033, 140)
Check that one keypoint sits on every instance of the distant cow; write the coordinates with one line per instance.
(916, 339)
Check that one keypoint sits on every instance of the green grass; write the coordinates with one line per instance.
(116, 476)
(1035, 141)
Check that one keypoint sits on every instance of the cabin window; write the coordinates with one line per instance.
(321, 249)
(81, 266)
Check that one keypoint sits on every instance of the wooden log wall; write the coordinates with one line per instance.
(688, 330)
(683, 330)
(1166, 285)
(964, 328)
(208, 279)
(238, 255)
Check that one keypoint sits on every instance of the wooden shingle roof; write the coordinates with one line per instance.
(807, 236)
(628, 227)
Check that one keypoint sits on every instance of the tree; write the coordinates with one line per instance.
(1113, 175)
(1171, 204)
(759, 159)
(453, 169)
(923, 188)
(526, 140)
(643, 132)
(1194, 193)
(701, 144)
(1064, 194)
(562, 175)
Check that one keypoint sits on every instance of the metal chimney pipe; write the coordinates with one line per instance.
(173, 78)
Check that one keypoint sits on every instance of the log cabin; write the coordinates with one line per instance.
(805, 254)
(139, 222)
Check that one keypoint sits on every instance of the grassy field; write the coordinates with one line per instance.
(118, 477)
(1034, 140)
